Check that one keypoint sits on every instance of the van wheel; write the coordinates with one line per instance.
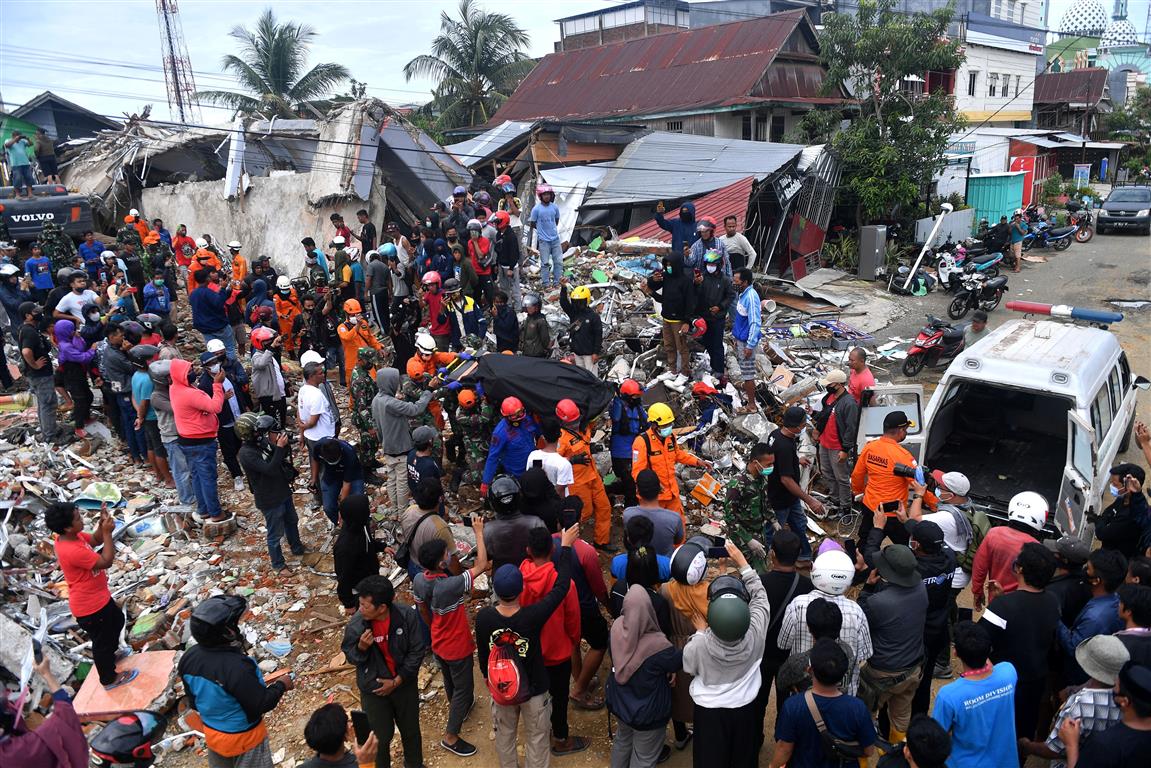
(1125, 443)
(913, 364)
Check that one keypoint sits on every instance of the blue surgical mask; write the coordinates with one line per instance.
(766, 471)
(1114, 491)
(665, 431)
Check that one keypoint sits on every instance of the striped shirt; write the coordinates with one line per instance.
(796, 638)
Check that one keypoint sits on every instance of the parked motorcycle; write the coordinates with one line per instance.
(922, 284)
(1059, 238)
(951, 269)
(978, 292)
(937, 344)
(1081, 217)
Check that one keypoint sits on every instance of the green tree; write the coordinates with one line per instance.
(477, 61)
(270, 70)
(1132, 123)
(894, 145)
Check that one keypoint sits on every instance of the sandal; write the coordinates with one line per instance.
(587, 701)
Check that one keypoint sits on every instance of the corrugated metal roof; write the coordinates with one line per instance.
(676, 71)
(678, 165)
(729, 201)
(1077, 86)
(489, 143)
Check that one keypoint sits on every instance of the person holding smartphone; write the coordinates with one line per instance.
(58, 742)
(328, 732)
(85, 571)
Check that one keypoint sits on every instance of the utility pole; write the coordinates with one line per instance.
(177, 65)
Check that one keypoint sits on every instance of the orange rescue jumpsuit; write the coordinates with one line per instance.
(661, 454)
(286, 312)
(142, 228)
(430, 368)
(587, 485)
(352, 337)
(201, 259)
(239, 267)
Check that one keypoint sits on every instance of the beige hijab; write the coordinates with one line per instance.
(636, 635)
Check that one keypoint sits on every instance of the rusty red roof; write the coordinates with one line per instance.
(1077, 86)
(729, 201)
(695, 69)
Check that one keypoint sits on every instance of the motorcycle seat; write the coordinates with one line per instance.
(952, 334)
(996, 283)
(1073, 206)
(983, 258)
(1060, 231)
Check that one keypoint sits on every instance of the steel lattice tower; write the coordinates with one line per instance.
(177, 65)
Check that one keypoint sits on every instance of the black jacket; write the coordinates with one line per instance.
(714, 291)
(507, 328)
(269, 476)
(1119, 528)
(938, 571)
(586, 331)
(845, 411)
(405, 644)
(644, 702)
(676, 291)
(535, 336)
(507, 249)
(355, 552)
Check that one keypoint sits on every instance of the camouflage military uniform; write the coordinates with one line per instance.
(747, 512)
(412, 391)
(128, 234)
(57, 246)
(363, 388)
(475, 432)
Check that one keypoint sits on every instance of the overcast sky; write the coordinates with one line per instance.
(106, 55)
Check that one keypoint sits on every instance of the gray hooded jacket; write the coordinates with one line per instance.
(391, 414)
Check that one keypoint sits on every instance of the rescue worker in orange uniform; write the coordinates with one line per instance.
(575, 446)
(203, 258)
(287, 308)
(657, 450)
(355, 332)
(140, 225)
(239, 264)
(425, 365)
(874, 476)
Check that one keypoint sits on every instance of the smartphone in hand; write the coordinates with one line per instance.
(360, 726)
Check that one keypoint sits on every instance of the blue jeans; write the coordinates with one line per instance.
(137, 445)
(333, 357)
(226, 336)
(281, 521)
(202, 463)
(22, 177)
(551, 253)
(330, 493)
(178, 464)
(793, 517)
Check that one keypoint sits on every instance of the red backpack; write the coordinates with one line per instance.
(507, 679)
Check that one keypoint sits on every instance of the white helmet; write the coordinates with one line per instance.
(425, 344)
(1029, 508)
(108, 255)
(338, 240)
(133, 212)
(283, 283)
(1018, 212)
(9, 269)
(201, 242)
(215, 346)
(234, 245)
(832, 572)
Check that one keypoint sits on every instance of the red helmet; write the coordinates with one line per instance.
(630, 387)
(503, 219)
(502, 179)
(262, 337)
(543, 189)
(698, 327)
(567, 411)
(510, 407)
(431, 278)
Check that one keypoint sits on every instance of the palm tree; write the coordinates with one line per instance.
(477, 62)
(270, 68)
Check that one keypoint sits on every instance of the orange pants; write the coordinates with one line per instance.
(595, 502)
(673, 503)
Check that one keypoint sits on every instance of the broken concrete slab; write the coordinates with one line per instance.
(152, 688)
(16, 641)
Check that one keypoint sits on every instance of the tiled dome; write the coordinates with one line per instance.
(1120, 32)
(1086, 17)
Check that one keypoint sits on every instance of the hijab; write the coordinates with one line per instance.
(259, 295)
(689, 600)
(635, 636)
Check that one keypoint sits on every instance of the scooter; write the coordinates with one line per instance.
(978, 292)
(937, 344)
(1081, 217)
(1059, 238)
(921, 284)
(951, 269)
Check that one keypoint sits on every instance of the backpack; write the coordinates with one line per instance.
(403, 555)
(507, 677)
(835, 749)
(980, 525)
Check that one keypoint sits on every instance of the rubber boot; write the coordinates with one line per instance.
(897, 737)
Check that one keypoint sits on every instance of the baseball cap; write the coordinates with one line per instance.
(1135, 681)
(27, 308)
(956, 482)
(424, 435)
(896, 419)
(833, 377)
(927, 532)
(508, 582)
(794, 417)
(1072, 549)
(311, 356)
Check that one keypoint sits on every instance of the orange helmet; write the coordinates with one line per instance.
(567, 411)
(507, 352)
(151, 237)
(415, 368)
(466, 398)
(512, 407)
(503, 219)
(630, 387)
(129, 219)
(262, 336)
(352, 307)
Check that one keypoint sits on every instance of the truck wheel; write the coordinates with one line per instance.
(912, 365)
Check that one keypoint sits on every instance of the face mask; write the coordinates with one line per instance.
(452, 239)
(830, 388)
(1114, 491)
(214, 368)
(766, 471)
(94, 317)
(711, 268)
(667, 269)
(158, 281)
(353, 318)
(665, 431)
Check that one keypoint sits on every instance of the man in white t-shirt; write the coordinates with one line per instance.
(556, 467)
(71, 304)
(952, 489)
(317, 420)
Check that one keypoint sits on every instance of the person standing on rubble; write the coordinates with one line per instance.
(509, 259)
(683, 230)
(513, 440)
(628, 421)
(198, 422)
(784, 491)
(35, 352)
(836, 424)
(713, 297)
(747, 510)
(535, 335)
(672, 287)
(85, 572)
(739, 250)
(708, 242)
(575, 446)
(657, 450)
(544, 222)
(585, 330)
(266, 459)
(746, 329)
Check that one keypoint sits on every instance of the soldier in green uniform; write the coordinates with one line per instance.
(473, 422)
(363, 388)
(128, 234)
(746, 510)
(57, 246)
(411, 389)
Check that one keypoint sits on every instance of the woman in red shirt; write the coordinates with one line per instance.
(88, 594)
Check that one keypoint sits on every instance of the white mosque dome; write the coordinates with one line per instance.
(1085, 17)
(1120, 32)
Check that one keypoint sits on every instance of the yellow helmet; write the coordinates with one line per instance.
(660, 415)
(581, 292)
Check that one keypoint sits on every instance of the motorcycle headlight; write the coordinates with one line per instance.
(1144, 212)
(930, 343)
